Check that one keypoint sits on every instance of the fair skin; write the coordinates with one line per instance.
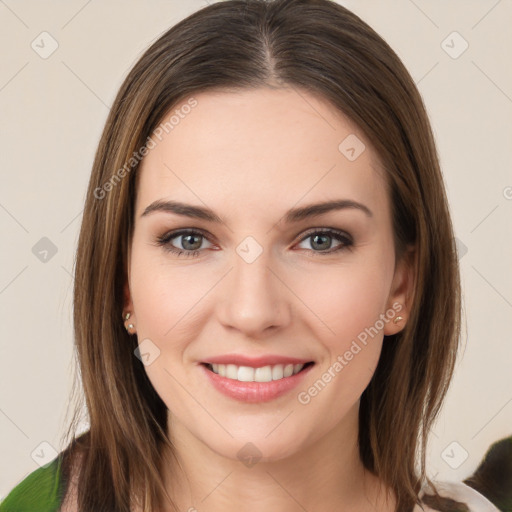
(251, 156)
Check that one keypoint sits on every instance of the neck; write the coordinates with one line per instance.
(327, 474)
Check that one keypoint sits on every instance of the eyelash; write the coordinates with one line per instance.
(164, 241)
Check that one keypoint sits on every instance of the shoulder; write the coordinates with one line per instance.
(458, 492)
(41, 490)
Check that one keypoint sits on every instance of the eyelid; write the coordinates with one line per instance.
(340, 232)
(175, 233)
(344, 239)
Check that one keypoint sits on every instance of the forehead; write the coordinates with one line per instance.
(259, 146)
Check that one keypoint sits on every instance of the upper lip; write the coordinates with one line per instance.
(255, 362)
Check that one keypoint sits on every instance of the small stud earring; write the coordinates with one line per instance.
(397, 319)
(126, 318)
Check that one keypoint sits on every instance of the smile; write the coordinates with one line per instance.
(262, 374)
(255, 384)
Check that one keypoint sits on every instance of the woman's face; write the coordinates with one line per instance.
(262, 276)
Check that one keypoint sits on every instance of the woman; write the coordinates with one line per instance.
(267, 300)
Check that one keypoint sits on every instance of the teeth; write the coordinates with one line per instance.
(263, 374)
(245, 374)
(277, 372)
(232, 371)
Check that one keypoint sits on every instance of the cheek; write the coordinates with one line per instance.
(166, 302)
(165, 297)
(351, 340)
(345, 300)
(348, 303)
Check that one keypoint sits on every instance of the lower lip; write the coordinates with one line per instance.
(252, 392)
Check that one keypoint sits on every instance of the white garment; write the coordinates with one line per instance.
(461, 492)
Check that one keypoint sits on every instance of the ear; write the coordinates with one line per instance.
(127, 298)
(402, 291)
(130, 322)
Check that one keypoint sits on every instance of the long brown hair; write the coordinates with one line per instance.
(312, 45)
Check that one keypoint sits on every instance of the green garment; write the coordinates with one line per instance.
(41, 491)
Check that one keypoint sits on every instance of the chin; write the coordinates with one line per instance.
(257, 446)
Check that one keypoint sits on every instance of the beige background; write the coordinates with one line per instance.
(52, 113)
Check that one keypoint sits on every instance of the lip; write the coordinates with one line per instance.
(253, 392)
(255, 362)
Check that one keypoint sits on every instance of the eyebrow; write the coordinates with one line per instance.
(293, 215)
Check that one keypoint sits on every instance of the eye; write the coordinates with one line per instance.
(189, 240)
(321, 240)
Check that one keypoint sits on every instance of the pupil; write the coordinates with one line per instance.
(316, 242)
(186, 240)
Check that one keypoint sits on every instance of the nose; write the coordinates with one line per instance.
(253, 298)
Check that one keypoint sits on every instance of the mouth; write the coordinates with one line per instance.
(255, 378)
(252, 384)
(262, 374)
